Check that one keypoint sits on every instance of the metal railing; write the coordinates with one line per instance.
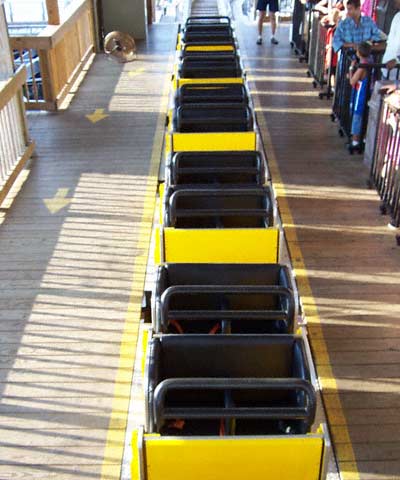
(385, 172)
(344, 102)
(317, 58)
(15, 146)
(54, 57)
(298, 36)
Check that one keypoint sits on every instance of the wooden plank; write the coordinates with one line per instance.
(61, 348)
(366, 416)
(38, 42)
(376, 450)
(48, 86)
(53, 12)
(56, 415)
(348, 265)
(17, 170)
(51, 35)
(61, 60)
(92, 455)
(352, 400)
(38, 471)
(355, 345)
(11, 87)
(81, 6)
(75, 74)
(375, 470)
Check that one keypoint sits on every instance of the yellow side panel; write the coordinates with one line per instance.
(245, 245)
(145, 340)
(157, 247)
(184, 81)
(170, 117)
(168, 148)
(135, 469)
(237, 459)
(195, 142)
(210, 48)
(161, 190)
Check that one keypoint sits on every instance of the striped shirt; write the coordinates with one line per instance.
(349, 32)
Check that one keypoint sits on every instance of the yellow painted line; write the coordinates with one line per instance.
(114, 448)
(135, 73)
(347, 463)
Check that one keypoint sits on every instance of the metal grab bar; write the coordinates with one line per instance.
(233, 315)
(174, 212)
(162, 412)
(193, 20)
(194, 166)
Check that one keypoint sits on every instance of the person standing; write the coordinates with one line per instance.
(355, 28)
(358, 78)
(273, 7)
(391, 56)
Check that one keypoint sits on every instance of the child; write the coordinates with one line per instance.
(358, 77)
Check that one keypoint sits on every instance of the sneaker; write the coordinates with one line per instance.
(274, 41)
(259, 41)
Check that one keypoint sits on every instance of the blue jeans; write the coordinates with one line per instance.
(356, 124)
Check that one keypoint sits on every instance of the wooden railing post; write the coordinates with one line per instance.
(48, 79)
(53, 12)
(63, 50)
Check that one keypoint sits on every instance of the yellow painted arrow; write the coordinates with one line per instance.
(97, 115)
(58, 202)
(134, 73)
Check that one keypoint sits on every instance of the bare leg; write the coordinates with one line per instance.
(273, 23)
(261, 18)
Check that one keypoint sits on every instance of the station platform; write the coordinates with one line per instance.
(75, 241)
(344, 255)
(74, 245)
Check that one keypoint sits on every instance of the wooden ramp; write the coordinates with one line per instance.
(73, 249)
(346, 260)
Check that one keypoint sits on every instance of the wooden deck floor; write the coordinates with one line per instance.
(67, 296)
(346, 260)
(66, 277)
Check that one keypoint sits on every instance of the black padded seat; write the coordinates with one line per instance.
(212, 117)
(192, 93)
(226, 65)
(216, 168)
(223, 298)
(206, 207)
(237, 384)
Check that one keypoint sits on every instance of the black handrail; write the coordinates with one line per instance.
(174, 212)
(233, 315)
(199, 19)
(162, 412)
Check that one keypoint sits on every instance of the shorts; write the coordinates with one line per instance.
(273, 5)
